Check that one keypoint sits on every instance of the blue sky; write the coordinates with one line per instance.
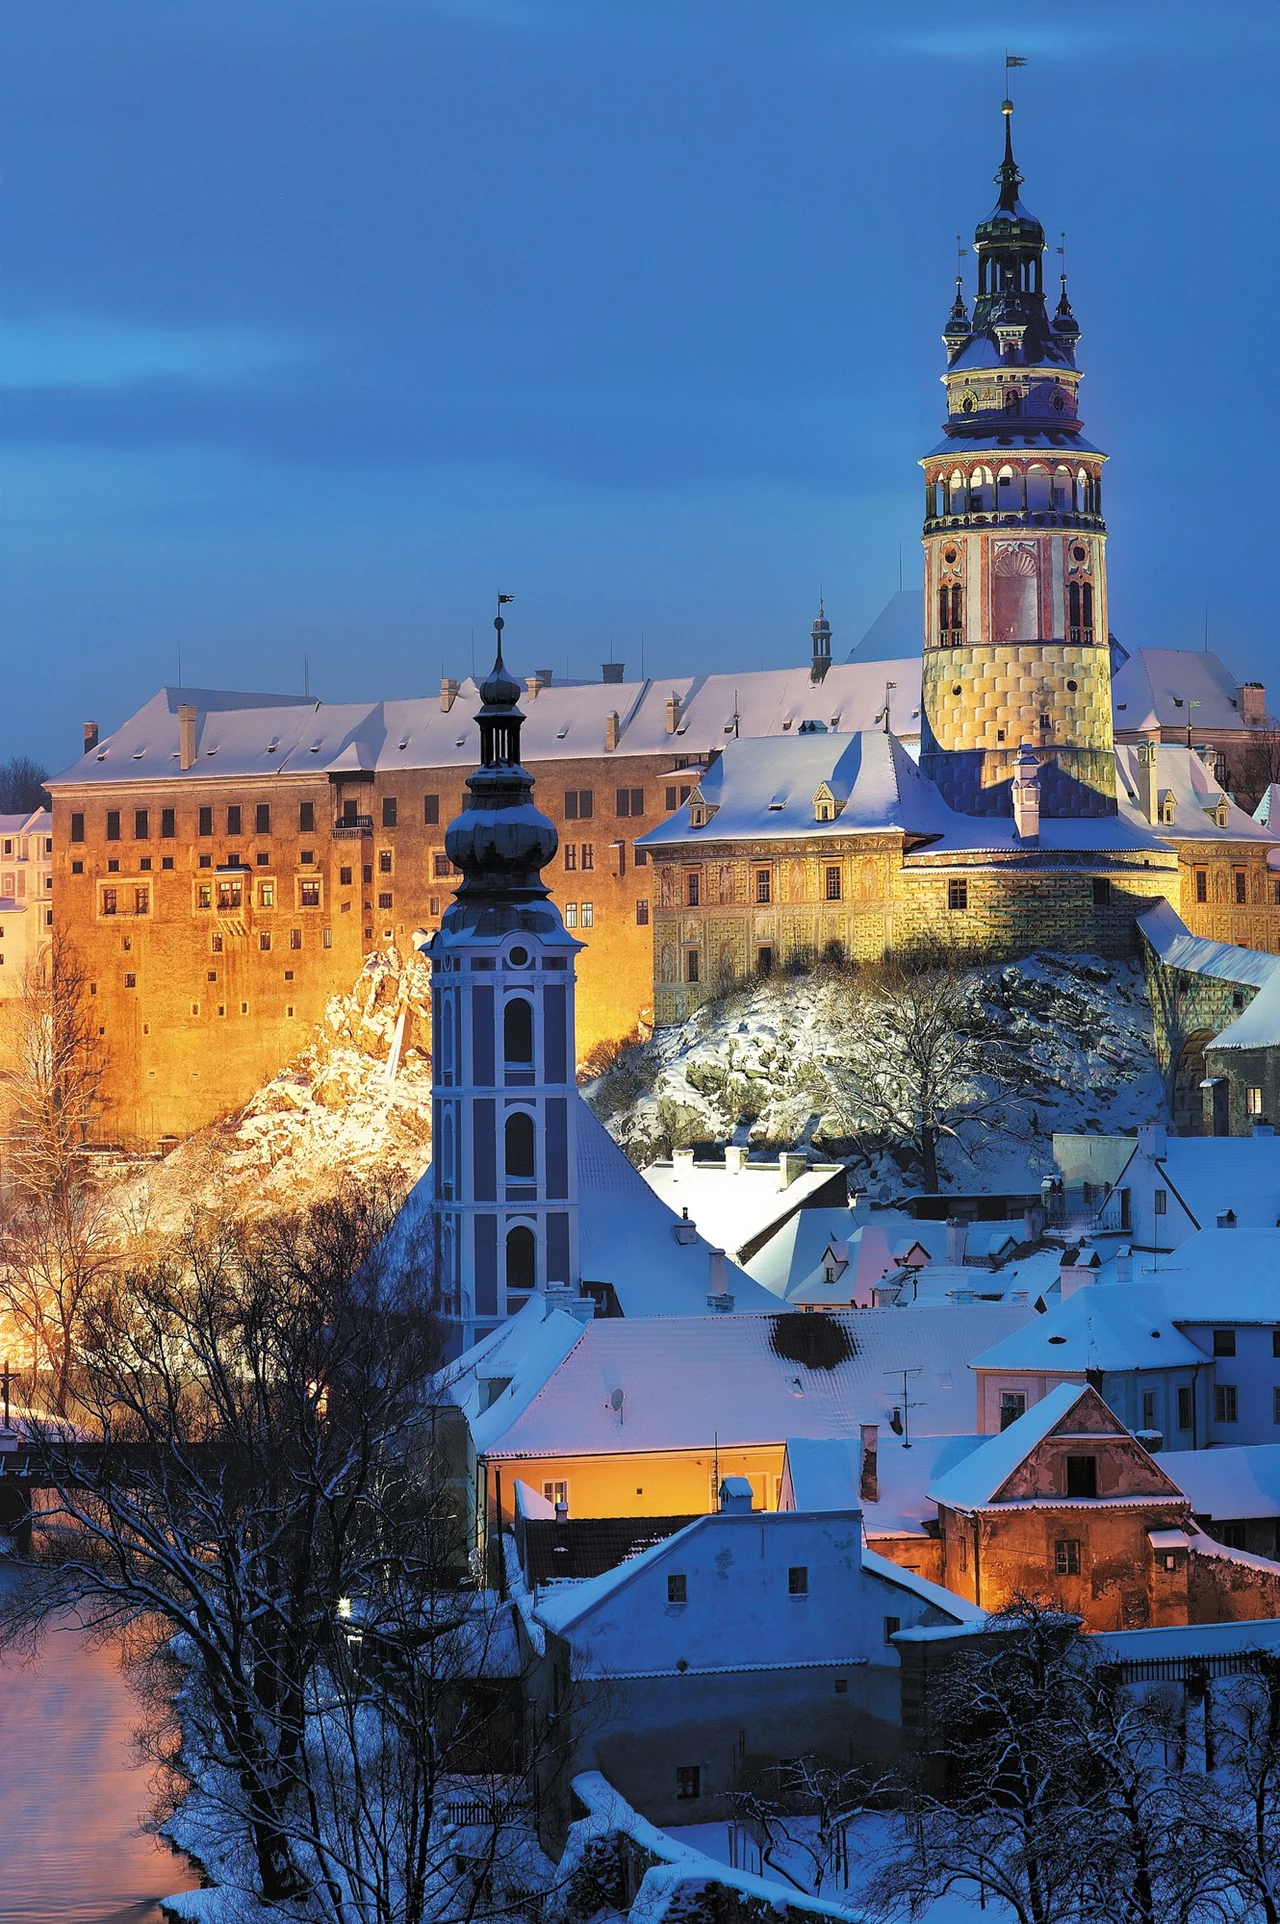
(321, 321)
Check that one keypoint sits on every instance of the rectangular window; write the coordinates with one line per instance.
(571, 856)
(113, 824)
(262, 818)
(108, 901)
(833, 884)
(764, 885)
(141, 824)
(77, 868)
(1148, 1409)
(688, 1782)
(204, 895)
(1253, 1101)
(264, 940)
(693, 889)
(1160, 1202)
(571, 915)
(1224, 1342)
(1066, 1556)
(640, 856)
(1202, 885)
(230, 895)
(235, 817)
(295, 938)
(168, 824)
(1275, 1404)
(798, 1580)
(309, 895)
(141, 901)
(77, 827)
(131, 981)
(556, 1493)
(384, 861)
(266, 895)
(588, 855)
(344, 878)
(1186, 1407)
(430, 810)
(642, 915)
(692, 965)
(1013, 1404)
(440, 864)
(1241, 882)
(678, 1588)
(1082, 1476)
(1226, 1403)
(957, 894)
(588, 915)
(892, 1625)
(1275, 1342)
(1101, 892)
(389, 810)
(306, 818)
(384, 900)
(764, 959)
(630, 801)
(204, 822)
(579, 804)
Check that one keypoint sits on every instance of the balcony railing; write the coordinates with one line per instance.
(350, 828)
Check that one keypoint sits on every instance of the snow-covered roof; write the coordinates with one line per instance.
(1259, 1025)
(687, 1380)
(1189, 1641)
(1030, 1278)
(1228, 1483)
(980, 1476)
(265, 735)
(1177, 948)
(793, 1256)
(1214, 1276)
(1268, 810)
(523, 1352)
(942, 1599)
(1125, 1327)
(1213, 1174)
(1196, 794)
(824, 1473)
(733, 1205)
(1155, 687)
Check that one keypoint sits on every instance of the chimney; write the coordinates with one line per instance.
(1148, 799)
(187, 717)
(682, 1161)
(531, 687)
(718, 1296)
(792, 1164)
(1253, 703)
(1033, 1222)
(612, 670)
(1124, 1266)
(1226, 1219)
(685, 1231)
(957, 1238)
(869, 1482)
(735, 1159)
(90, 737)
(1077, 1270)
(562, 1509)
(544, 676)
(612, 730)
(735, 1496)
(1153, 1139)
(448, 693)
(1025, 791)
(673, 713)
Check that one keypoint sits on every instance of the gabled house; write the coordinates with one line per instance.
(1067, 1504)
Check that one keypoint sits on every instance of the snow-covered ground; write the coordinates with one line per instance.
(779, 1051)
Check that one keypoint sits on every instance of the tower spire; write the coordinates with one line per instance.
(1008, 179)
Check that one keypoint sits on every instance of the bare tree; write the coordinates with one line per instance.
(803, 1812)
(264, 1497)
(57, 1234)
(22, 783)
(1257, 765)
(921, 1058)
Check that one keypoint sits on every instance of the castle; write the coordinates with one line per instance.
(1020, 825)
(224, 862)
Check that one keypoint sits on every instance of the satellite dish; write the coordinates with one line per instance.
(615, 1401)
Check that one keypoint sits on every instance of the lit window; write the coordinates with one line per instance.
(588, 915)
(266, 895)
(571, 915)
(309, 894)
(571, 855)
(1253, 1102)
(957, 894)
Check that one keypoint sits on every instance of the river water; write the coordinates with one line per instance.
(73, 1791)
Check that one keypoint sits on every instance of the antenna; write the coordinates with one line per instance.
(179, 661)
(906, 1406)
(961, 251)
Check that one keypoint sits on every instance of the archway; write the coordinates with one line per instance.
(1186, 1103)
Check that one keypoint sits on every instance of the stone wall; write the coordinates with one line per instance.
(1230, 1586)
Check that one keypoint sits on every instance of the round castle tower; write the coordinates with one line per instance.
(504, 1152)
(1015, 647)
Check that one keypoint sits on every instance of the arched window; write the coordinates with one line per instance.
(1062, 490)
(956, 496)
(517, 1031)
(522, 1258)
(446, 1158)
(1087, 596)
(1073, 610)
(1038, 490)
(957, 614)
(446, 1041)
(944, 613)
(520, 1164)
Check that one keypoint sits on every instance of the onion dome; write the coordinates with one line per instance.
(501, 842)
(1009, 222)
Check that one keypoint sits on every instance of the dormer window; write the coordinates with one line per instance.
(824, 805)
(1222, 812)
(1167, 808)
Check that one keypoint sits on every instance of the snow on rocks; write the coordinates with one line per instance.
(780, 1055)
